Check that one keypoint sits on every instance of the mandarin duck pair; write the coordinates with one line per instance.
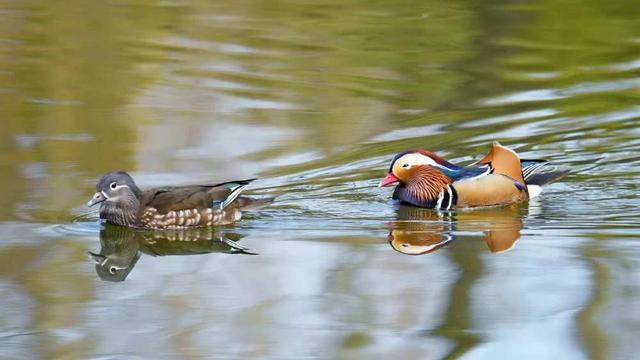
(423, 179)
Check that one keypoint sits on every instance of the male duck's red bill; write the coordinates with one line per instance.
(388, 180)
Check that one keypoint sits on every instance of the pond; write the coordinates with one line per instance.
(315, 99)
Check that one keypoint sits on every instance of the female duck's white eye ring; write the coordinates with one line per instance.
(113, 186)
(405, 165)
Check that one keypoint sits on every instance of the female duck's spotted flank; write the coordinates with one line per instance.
(178, 207)
(426, 180)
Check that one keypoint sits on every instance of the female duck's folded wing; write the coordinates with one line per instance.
(193, 197)
(167, 199)
(222, 195)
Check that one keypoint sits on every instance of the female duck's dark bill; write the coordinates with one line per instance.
(388, 180)
(96, 199)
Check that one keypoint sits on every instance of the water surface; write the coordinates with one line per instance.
(315, 99)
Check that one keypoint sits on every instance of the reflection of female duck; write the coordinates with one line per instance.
(421, 231)
(121, 247)
(119, 253)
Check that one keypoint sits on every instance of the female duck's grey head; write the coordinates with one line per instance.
(119, 198)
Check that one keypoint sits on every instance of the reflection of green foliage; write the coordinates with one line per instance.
(356, 339)
(71, 72)
(458, 317)
(81, 63)
(349, 66)
(349, 70)
(592, 336)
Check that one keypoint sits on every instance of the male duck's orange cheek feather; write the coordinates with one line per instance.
(427, 187)
(388, 180)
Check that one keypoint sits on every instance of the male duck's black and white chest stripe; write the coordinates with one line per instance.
(447, 198)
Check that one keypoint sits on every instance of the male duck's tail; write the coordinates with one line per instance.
(539, 172)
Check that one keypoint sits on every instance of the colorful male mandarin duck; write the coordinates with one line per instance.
(123, 203)
(501, 177)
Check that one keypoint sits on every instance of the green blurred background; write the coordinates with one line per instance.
(315, 98)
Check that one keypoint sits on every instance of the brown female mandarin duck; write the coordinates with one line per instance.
(426, 180)
(123, 203)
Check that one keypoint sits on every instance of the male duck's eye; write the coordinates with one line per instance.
(405, 165)
(113, 185)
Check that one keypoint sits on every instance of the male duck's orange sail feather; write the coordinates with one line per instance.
(505, 184)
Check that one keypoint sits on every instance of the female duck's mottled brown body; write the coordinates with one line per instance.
(501, 177)
(123, 203)
(179, 208)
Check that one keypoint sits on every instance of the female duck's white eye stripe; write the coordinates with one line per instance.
(116, 187)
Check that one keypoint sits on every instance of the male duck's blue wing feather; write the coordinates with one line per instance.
(461, 173)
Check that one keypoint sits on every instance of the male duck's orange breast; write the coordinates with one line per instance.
(493, 189)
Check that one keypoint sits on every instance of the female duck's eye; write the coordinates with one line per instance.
(405, 165)
(113, 185)
(112, 270)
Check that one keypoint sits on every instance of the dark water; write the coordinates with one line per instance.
(315, 99)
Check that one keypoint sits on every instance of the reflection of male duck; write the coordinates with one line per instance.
(121, 247)
(420, 231)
